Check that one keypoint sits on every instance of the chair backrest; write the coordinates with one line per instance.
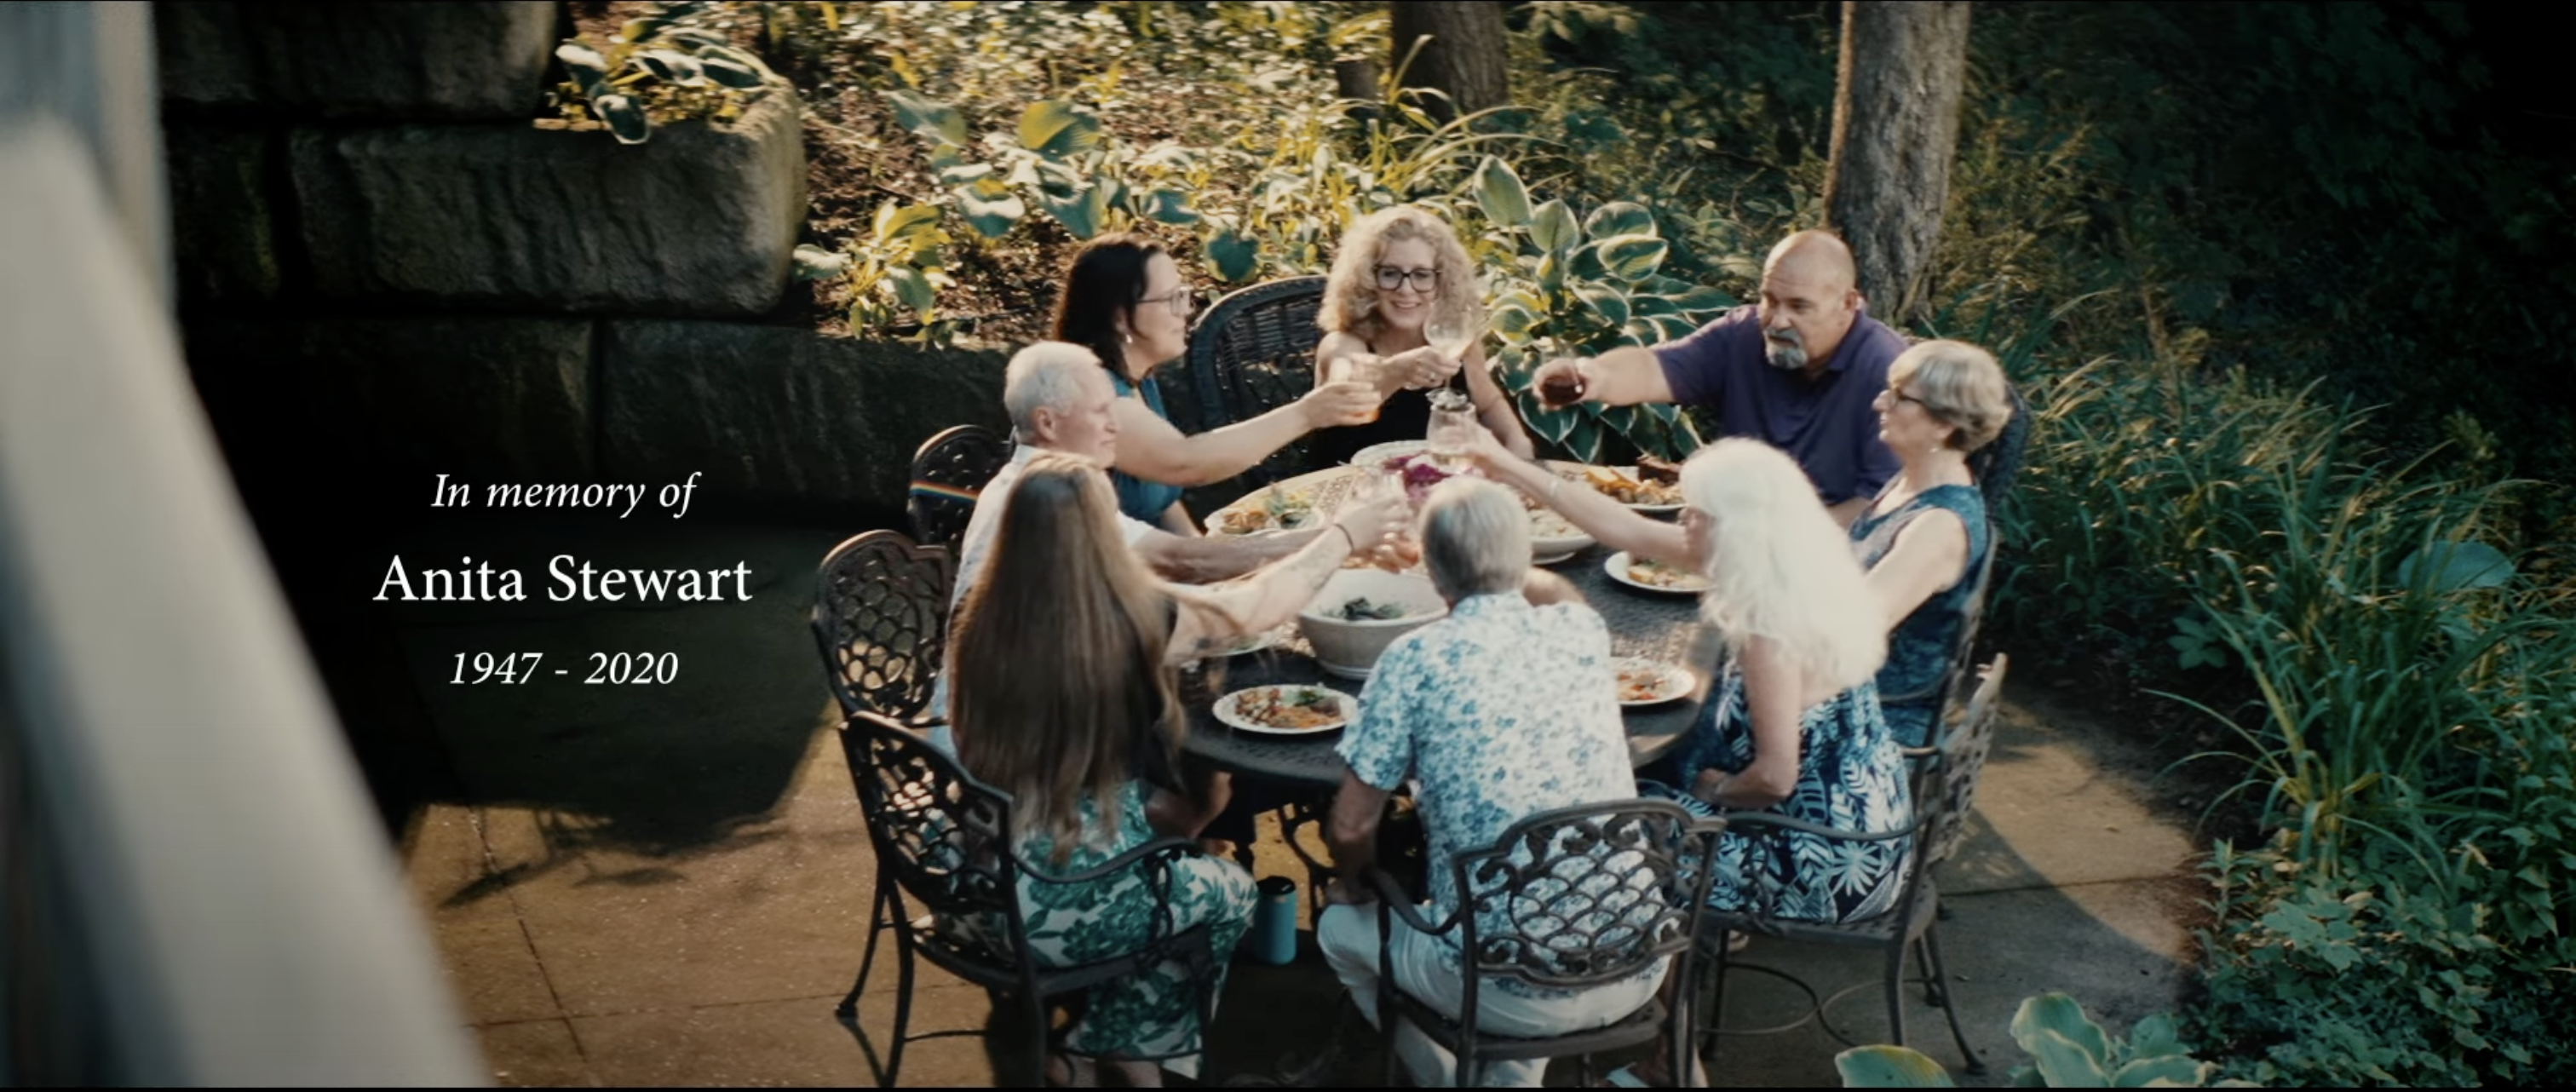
(1963, 648)
(1587, 895)
(1963, 762)
(1997, 464)
(944, 837)
(946, 840)
(1761, 906)
(947, 473)
(1253, 352)
(880, 619)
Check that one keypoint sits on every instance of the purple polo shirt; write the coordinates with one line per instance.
(1828, 425)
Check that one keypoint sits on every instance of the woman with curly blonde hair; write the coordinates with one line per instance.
(1399, 272)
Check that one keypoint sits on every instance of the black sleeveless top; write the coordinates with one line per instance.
(1405, 415)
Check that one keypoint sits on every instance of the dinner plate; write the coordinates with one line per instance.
(1257, 642)
(1227, 711)
(1376, 455)
(1577, 470)
(1617, 567)
(1672, 681)
(1551, 559)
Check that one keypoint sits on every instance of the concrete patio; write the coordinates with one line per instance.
(668, 884)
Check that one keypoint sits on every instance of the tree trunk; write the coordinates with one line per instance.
(1896, 130)
(1463, 59)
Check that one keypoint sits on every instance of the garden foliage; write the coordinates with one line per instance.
(674, 64)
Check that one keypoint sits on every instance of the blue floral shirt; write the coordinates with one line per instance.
(1497, 712)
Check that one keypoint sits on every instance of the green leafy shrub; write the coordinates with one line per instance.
(2410, 972)
(669, 65)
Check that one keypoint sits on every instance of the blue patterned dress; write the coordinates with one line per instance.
(1918, 653)
(1153, 1015)
(1850, 777)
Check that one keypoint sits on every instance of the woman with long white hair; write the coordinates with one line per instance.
(1794, 724)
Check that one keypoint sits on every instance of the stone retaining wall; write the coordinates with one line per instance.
(390, 265)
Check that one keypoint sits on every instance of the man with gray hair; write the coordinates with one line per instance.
(1059, 399)
(1500, 711)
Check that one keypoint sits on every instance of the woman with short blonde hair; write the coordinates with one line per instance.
(1399, 272)
(1926, 536)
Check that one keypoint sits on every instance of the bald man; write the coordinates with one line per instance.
(1797, 370)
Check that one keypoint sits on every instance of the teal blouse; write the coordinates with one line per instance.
(1140, 499)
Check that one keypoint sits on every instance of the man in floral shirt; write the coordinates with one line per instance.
(1498, 712)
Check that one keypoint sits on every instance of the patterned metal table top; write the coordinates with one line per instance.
(1655, 625)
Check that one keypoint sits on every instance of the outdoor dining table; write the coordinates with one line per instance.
(1654, 625)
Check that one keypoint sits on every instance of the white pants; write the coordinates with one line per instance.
(1348, 935)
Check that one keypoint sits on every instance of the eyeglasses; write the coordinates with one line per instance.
(1180, 300)
(1901, 396)
(1389, 278)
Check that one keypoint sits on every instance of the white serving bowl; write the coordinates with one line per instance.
(1350, 649)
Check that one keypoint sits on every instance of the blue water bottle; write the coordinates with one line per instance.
(1274, 922)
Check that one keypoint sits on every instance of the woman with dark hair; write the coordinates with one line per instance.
(1066, 658)
(1124, 299)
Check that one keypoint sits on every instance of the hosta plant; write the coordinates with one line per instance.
(667, 65)
(1563, 285)
(2067, 1050)
(1057, 159)
(894, 267)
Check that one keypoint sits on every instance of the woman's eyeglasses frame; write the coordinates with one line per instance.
(1390, 278)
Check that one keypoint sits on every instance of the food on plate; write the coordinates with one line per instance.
(1359, 609)
(1545, 523)
(1291, 707)
(1276, 510)
(1643, 681)
(1628, 490)
(1659, 575)
(1421, 471)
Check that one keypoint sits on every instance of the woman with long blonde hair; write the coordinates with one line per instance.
(1065, 660)
(1399, 272)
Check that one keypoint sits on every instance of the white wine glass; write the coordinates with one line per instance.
(1451, 338)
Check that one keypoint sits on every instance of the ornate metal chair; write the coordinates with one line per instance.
(880, 619)
(944, 839)
(1963, 759)
(1907, 927)
(947, 472)
(1593, 894)
(1253, 352)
